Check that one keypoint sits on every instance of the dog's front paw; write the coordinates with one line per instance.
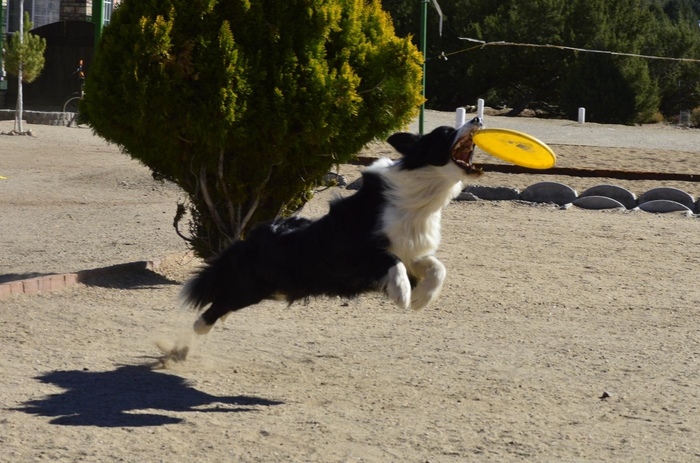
(398, 286)
(432, 275)
(420, 299)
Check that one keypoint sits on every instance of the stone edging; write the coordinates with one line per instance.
(39, 117)
(657, 200)
(55, 282)
(606, 196)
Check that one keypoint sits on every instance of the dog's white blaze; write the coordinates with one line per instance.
(411, 221)
(415, 198)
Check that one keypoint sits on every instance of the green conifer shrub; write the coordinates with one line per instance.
(246, 104)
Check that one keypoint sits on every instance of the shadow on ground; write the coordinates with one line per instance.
(134, 275)
(125, 276)
(8, 277)
(130, 396)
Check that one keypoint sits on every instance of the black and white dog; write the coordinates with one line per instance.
(383, 237)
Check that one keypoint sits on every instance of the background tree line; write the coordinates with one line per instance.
(614, 89)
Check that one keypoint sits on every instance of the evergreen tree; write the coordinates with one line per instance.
(523, 74)
(676, 34)
(246, 104)
(613, 89)
(518, 76)
(24, 58)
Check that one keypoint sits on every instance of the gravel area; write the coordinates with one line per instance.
(560, 335)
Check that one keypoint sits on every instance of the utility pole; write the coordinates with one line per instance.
(98, 18)
(424, 49)
(3, 82)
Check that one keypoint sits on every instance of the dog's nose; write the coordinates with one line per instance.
(477, 121)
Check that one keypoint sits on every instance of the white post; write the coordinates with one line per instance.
(581, 115)
(460, 117)
(480, 108)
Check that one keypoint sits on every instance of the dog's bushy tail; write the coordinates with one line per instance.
(199, 291)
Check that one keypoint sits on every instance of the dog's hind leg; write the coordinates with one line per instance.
(201, 326)
(430, 273)
(219, 310)
(205, 322)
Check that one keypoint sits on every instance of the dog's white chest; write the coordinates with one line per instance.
(412, 234)
(414, 203)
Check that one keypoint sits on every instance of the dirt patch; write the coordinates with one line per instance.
(561, 335)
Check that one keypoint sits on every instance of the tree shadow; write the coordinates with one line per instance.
(130, 396)
(8, 277)
(133, 275)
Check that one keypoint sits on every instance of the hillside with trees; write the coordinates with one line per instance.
(616, 89)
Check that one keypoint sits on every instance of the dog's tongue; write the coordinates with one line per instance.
(463, 151)
(463, 146)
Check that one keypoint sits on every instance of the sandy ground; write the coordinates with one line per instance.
(561, 335)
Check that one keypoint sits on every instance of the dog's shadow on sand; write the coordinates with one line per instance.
(130, 396)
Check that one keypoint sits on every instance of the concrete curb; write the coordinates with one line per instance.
(549, 192)
(626, 198)
(664, 205)
(56, 282)
(39, 117)
(657, 200)
(597, 203)
(670, 194)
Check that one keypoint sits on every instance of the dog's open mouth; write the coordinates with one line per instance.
(463, 149)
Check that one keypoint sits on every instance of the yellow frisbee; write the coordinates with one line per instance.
(515, 147)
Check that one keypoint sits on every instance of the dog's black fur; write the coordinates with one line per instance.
(345, 253)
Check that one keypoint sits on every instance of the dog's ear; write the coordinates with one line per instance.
(403, 142)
